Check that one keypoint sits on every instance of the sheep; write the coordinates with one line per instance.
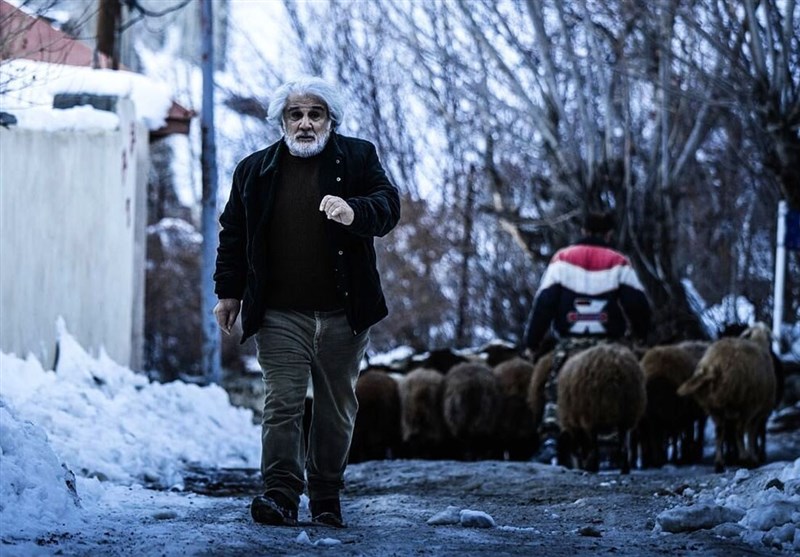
(516, 429)
(669, 420)
(471, 407)
(543, 364)
(440, 359)
(600, 389)
(740, 330)
(695, 348)
(539, 376)
(496, 352)
(423, 429)
(376, 434)
(762, 335)
(734, 383)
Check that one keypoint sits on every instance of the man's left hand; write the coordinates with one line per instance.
(337, 209)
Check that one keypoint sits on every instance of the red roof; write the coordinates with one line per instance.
(32, 38)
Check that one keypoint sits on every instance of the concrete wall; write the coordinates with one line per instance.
(72, 216)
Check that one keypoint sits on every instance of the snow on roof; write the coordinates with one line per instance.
(29, 88)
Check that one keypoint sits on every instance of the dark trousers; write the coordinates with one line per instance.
(293, 347)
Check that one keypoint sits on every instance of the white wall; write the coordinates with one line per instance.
(71, 204)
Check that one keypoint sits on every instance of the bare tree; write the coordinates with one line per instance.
(551, 108)
(760, 44)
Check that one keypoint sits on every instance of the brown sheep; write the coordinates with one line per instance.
(600, 390)
(536, 399)
(471, 407)
(543, 364)
(735, 384)
(423, 429)
(695, 348)
(516, 429)
(376, 435)
(763, 331)
(670, 421)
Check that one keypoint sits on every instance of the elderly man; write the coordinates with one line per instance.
(296, 254)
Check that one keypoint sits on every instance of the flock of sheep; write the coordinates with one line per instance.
(647, 407)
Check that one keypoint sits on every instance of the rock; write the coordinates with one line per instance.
(476, 519)
(451, 515)
(590, 531)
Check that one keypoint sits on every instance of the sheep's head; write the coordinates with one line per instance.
(759, 333)
(704, 379)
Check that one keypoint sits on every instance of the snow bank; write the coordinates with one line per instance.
(105, 421)
(102, 421)
(37, 493)
(760, 506)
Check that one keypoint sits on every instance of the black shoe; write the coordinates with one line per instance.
(548, 453)
(274, 509)
(326, 512)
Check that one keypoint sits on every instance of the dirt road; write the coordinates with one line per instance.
(537, 510)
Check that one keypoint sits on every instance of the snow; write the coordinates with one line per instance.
(33, 489)
(762, 507)
(108, 422)
(117, 432)
(29, 89)
(475, 519)
(392, 357)
(304, 539)
(171, 229)
(467, 518)
(83, 117)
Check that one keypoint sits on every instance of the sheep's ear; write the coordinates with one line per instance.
(703, 377)
(759, 333)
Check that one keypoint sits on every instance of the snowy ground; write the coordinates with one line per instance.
(117, 432)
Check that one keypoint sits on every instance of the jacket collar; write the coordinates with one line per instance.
(273, 153)
(593, 241)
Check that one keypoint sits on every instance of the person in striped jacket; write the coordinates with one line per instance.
(588, 294)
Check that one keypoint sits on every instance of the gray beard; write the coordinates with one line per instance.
(305, 150)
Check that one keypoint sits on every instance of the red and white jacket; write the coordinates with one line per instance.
(588, 289)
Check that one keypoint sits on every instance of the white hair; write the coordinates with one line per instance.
(306, 85)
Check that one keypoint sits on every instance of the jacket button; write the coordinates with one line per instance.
(338, 179)
(341, 252)
(345, 293)
(338, 161)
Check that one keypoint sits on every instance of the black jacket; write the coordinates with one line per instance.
(349, 169)
(588, 289)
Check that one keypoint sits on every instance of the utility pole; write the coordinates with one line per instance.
(108, 22)
(780, 277)
(208, 160)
